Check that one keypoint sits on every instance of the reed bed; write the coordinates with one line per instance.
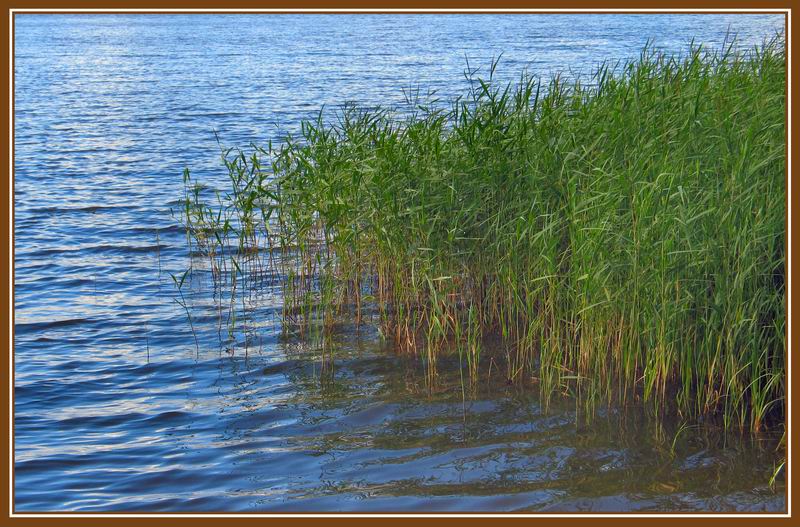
(623, 236)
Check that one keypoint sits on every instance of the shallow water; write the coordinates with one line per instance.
(115, 406)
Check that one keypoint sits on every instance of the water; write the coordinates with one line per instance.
(115, 407)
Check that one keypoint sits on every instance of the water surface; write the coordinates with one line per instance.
(116, 408)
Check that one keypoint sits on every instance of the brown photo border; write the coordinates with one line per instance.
(8, 517)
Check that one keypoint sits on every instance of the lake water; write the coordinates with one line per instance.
(117, 409)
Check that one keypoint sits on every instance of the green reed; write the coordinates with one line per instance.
(623, 236)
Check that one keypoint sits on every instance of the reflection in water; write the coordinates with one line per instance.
(368, 427)
(114, 407)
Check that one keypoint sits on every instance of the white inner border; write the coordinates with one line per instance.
(788, 37)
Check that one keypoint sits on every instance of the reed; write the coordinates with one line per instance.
(623, 236)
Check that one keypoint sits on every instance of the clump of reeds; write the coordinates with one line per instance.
(623, 236)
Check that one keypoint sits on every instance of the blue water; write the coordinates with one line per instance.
(117, 408)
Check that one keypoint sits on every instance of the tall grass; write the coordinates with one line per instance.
(623, 236)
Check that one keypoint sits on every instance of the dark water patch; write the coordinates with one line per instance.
(87, 209)
(97, 249)
(22, 328)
